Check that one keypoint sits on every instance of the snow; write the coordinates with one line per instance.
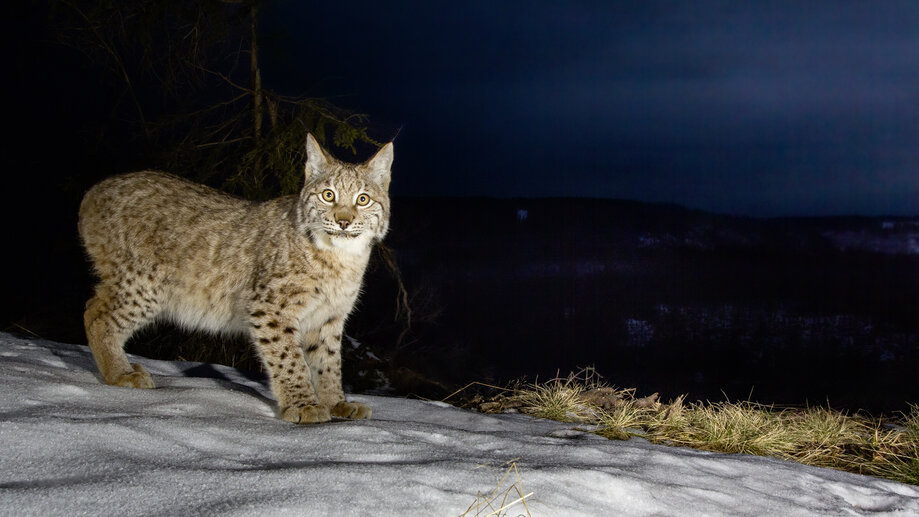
(206, 442)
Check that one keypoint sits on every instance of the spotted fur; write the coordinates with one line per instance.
(286, 272)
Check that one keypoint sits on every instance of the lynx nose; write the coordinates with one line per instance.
(343, 217)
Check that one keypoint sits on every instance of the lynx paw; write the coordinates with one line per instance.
(352, 410)
(139, 378)
(314, 414)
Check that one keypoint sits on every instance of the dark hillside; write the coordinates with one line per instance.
(663, 298)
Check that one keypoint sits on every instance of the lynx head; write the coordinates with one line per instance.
(344, 205)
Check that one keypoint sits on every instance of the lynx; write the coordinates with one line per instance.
(285, 272)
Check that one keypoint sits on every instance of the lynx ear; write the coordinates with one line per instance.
(316, 159)
(380, 165)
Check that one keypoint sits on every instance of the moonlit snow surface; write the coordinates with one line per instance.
(206, 442)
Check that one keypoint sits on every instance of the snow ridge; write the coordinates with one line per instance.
(207, 442)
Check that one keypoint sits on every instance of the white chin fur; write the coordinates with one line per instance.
(354, 245)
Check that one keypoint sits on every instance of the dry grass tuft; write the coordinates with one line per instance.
(501, 499)
(815, 436)
(558, 399)
(911, 422)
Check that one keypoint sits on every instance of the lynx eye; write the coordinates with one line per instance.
(363, 200)
(328, 195)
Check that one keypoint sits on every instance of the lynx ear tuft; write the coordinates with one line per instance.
(316, 159)
(380, 165)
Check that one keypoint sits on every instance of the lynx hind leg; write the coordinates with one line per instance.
(111, 317)
(323, 353)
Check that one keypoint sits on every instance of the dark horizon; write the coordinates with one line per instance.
(663, 204)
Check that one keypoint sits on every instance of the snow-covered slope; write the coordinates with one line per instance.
(206, 442)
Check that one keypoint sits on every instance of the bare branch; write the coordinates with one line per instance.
(224, 142)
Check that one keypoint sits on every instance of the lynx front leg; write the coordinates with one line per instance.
(277, 342)
(111, 316)
(323, 351)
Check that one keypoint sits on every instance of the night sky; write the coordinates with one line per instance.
(753, 108)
